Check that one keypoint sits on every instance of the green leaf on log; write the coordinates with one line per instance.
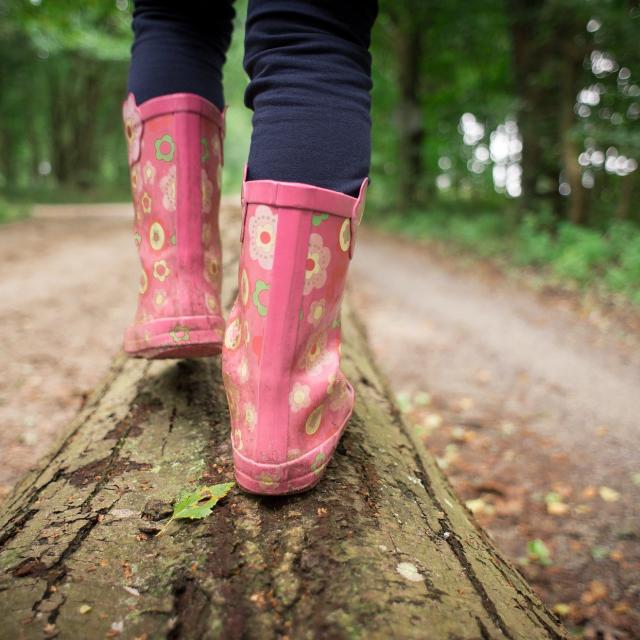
(198, 504)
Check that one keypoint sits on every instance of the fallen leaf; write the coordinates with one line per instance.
(597, 591)
(562, 609)
(539, 552)
(608, 494)
(599, 552)
(198, 503)
(84, 608)
(555, 506)
(422, 399)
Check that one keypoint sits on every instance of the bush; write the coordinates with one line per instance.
(570, 252)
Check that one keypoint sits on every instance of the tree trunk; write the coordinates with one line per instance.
(409, 47)
(382, 548)
(625, 201)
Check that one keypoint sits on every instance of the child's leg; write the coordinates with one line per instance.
(310, 72)
(174, 126)
(180, 47)
(310, 78)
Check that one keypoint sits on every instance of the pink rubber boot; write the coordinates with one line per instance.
(175, 159)
(288, 399)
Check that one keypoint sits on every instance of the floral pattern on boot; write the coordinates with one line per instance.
(176, 196)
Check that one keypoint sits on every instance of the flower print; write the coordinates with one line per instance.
(331, 380)
(165, 148)
(318, 258)
(261, 286)
(231, 392)
(144, 282)
(312, 423)
(136, 180)
(244, 287)
(262, 233)
(149, 172)
(250, 416)
(319, 463)
(317, 218)
(300, 397)
(293, 454)
(137, 238)
(132, 127)
(179, 333)
(246, 333)
(211, 267)
(206, 187)
(215, 145)
(314, 350)
(168, 188)
(206, 234)
(156, 236)
(204, 153)
(145, 203)
(161, 270)
(243, 371)
(345, 235)
(159, 298)
(267, 480)
(237, 439)
(317, 311)
(339, 396)
(211, 303)
(232, 335)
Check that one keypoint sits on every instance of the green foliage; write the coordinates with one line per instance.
(568, 252)
(11, 211)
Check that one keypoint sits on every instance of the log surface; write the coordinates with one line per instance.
(382, 548)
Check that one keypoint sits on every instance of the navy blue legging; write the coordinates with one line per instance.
(310, 78)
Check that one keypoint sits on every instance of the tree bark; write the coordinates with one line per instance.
(382, 548)
(409, 48)
(625, 201)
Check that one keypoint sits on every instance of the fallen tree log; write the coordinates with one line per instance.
(382, 548)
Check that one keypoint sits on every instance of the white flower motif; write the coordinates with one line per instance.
(149, 172)
(207, 192)
(317, 311)
(317, 260)
(168, 188)
(243, 371)
(262, 233)
(300, 396)
(250, 415)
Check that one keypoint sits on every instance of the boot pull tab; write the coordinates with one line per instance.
(356, 215)
(243, 202)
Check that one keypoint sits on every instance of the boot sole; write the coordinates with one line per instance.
(181, 337)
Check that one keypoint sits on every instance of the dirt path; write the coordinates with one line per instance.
(464, 333)
(530, 406)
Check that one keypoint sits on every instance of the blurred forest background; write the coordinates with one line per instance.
(509, 127)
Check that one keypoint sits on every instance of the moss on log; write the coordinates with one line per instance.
(382, 548)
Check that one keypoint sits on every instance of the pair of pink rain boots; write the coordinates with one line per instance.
(288, 399)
